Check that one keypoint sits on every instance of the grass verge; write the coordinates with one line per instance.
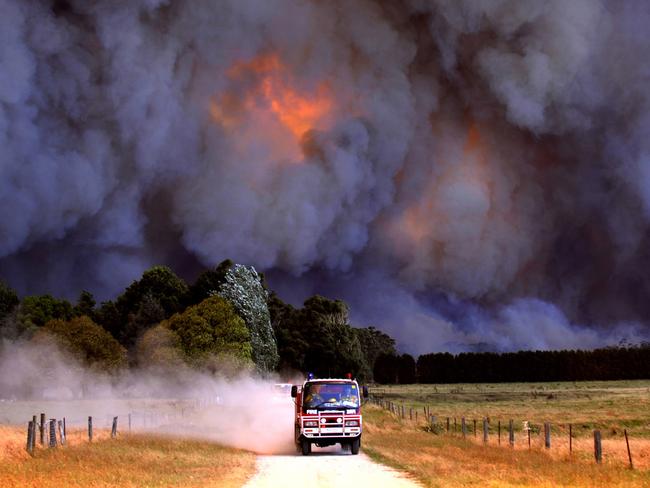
(129, 461)
(450, 461)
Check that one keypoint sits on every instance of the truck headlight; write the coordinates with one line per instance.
(311, 423)
(352, 423)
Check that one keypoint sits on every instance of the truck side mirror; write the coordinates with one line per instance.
(365, 391)
(294, 391)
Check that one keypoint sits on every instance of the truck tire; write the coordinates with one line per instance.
(305, 446)
(355, 445)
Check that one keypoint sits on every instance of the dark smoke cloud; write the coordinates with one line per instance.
(476, 172)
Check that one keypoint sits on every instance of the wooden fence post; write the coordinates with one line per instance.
(447, 424)
(474, 427)
(90, 429)
(30, 437)
(547, 435)
(61, 435)
(410, 413)
(598, 449)
(463, 427)
(65, 433)
(52, 432)
(42, 429)
(114, 428)
(629, 454)
(570, 439)
(511, 434)
(499, 432)
(485, 430)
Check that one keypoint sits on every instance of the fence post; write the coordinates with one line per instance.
(65, 433)
(511, 434)
(30, 437)
(598, 449)
(570, 439)
(432, 420)
(455, 426)
(114, 428)
(41, 428)
(547, 435)
(90, 429)
(52, 432)
(463, 427)
(416, 416)
(474, 427)
(499, 432)
(447, 424)
(61, 435)
(485, 430)
(629, 454)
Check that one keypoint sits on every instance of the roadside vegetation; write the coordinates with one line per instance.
(129, 461)
(440, 459)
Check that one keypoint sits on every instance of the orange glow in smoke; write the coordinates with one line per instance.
(421, 218)
(265, 84)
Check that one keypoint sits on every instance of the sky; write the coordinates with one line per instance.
(466, 175)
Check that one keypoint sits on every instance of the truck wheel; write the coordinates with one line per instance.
(305, 446)
(355, 445)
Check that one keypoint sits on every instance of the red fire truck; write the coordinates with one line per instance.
(328, 412)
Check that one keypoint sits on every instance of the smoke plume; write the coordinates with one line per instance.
(477, 170)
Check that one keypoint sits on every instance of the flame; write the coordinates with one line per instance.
(265, 89)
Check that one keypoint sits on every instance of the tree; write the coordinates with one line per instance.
(159, 283)
(243, 288)
(35, 311)
(136, 309)
(89, 342)
(212, 329)
(8, 300)
(85, 305)
(209, 282)
(406, 369)
(373, 343)
(386, 370)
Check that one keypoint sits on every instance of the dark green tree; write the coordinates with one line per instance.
(209, 282)
(373, 343)
(85, 305)
(35, 311)
(8, 300)
(137, 308)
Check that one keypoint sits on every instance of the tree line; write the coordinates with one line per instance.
(226, 321)
(611, 363)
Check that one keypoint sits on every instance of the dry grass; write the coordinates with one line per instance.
(129, 461)
(449, 460)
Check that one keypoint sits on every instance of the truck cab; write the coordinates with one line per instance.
(328, 412)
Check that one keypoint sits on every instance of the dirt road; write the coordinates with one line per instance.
(324, 468)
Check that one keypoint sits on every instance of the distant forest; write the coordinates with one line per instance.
(229, 321)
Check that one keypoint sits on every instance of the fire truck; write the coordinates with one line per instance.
(328, 412)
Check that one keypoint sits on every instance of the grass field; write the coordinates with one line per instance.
(444, 458)
(608, 406)
(451, 461)
(128, 461)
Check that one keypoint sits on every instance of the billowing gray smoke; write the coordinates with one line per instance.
(463, 172)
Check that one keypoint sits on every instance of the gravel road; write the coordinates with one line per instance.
(324, 468)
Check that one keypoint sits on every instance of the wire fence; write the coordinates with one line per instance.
(487, 428)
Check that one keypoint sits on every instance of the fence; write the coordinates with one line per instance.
(432, 424)
(52, 433)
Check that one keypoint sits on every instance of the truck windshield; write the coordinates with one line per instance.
(335, 395)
